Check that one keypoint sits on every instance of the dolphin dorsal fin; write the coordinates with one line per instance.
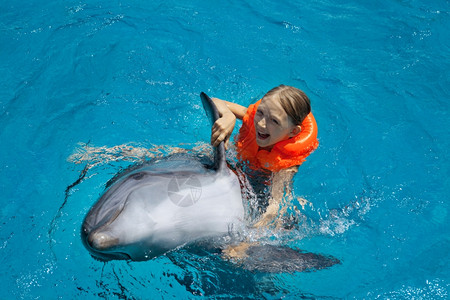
(213, 114)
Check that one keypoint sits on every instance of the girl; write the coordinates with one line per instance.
(277, 134)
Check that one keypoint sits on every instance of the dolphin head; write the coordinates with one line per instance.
(122, 219)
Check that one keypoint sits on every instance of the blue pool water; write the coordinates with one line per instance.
(129, 72)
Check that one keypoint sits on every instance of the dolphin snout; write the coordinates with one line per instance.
(101, 241)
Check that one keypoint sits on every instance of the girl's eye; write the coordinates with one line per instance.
(259, 113)
(276, 121)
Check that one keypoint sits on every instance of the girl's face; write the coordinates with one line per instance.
(272, 124)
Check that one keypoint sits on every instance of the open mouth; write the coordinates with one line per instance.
(262, 136)
(106, 256)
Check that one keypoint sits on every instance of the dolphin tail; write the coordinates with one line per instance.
(279, 259)
(220, 162)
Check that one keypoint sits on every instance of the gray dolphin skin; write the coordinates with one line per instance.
(160, 205)
(165, 204)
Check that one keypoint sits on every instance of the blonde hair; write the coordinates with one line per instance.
(294, 102)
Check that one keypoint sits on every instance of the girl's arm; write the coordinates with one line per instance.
(281, 186)
(224, 106)
(223, 127)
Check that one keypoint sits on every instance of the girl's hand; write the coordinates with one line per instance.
(222, 129)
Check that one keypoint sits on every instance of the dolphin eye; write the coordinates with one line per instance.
(138, 176)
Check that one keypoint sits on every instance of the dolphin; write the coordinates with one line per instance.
(160, 205)
(164, 204)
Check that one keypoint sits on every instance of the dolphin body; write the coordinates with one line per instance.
(160, 205)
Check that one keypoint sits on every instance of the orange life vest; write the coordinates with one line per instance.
(284, 154)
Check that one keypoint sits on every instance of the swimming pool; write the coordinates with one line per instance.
(130, 73)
